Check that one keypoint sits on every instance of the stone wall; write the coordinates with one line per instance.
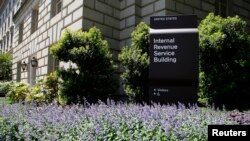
(143, 9)
(115, 18)
(49, 31)
(7, 10)
(242, 8)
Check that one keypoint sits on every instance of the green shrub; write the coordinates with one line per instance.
(135, 60)
(51, 84)
(93, 78)
(224, 61)
(36, 95)
(5, 87)
(6, 66)
(45, 90)
(18, 92)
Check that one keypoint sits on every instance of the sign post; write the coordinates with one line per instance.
(174, 54)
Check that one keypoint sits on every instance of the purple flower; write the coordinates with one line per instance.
(108, 122)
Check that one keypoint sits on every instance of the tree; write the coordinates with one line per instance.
(224, 61)
(5, 67)
(93, 78)
(135, 60)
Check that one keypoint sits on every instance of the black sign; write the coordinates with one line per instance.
(172, 93)
(174, 56)
(176, 59)
(173, 22)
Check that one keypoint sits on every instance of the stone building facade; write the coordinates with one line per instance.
(7, 11)
(37, 24)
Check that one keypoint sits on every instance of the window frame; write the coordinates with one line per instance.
(223, 7)
(20, 33)
(34, 21)
(58, 3)
(56, 7)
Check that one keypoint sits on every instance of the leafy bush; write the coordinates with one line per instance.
(6, 66)
(135, 59)
(5, 87)
(45, 90)
(18, 92)
(107, 122)
(224, 61)
(51, 84)
(93, 78)
(36, 94)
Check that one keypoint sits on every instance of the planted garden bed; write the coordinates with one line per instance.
(107, 122)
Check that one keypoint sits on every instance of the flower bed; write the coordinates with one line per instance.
(107, 122)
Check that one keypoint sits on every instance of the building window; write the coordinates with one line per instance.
(23, 1)
(7, 42)
(221, 7)
(4, 43)
(10, 6)
(20, 35)
(8, 21)
(56, 7)
(18, 3)
(11, 36)
(34, 21)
